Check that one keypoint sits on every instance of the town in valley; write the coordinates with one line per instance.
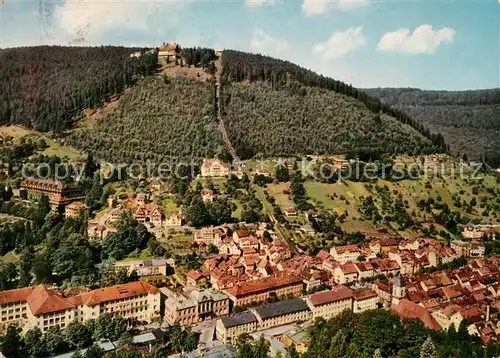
(177, 201)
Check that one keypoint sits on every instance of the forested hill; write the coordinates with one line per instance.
(468, 120)
(159, 120)
(46, 87)
(273, 107)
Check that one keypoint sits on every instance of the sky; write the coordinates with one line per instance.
(433, 44)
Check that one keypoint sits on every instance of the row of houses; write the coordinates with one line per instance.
(326, 304)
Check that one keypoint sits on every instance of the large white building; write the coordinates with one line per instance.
(214, 168)
(346, 253)
(44, 306)
(194, 305)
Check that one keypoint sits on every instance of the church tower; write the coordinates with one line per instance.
(398, 289)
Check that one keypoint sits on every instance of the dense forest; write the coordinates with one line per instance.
(379, 333)
(375, 334)
(292, 119)
(239, 66)
(469, 120)
(197, 56)
(46, 87)
(158, 120)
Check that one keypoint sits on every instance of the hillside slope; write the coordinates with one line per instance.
(296, 120)
(46, 87)
(273, 107)
(468, 120)
(157, 120)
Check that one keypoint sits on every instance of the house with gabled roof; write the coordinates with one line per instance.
(214, 168)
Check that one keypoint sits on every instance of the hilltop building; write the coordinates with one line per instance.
(168, 51)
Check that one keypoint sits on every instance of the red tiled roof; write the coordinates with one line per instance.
(323, 255)
(18, 295)
(388, 242)
(408, 309)
(338, 293)
(42, 301)
(263, 284)
(364, 294)
(346, 248)
(242, 233)
(195, 275)
(116, 292)
(471, 315)
(349, 268)
(77, 205)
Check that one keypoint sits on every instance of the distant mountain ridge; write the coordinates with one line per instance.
(269, 107)
(468, 120)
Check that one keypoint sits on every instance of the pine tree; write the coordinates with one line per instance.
(428, 349)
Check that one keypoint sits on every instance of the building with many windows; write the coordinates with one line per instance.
(60, 194)
(345, 253)
(266, 316)
(45, 307)
(257, 291)
(75, 210)
(194, 305)
(364, 300)
(214, 168)
(228, 329)
(328, 304)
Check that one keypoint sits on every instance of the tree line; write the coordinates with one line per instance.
(46, 87)
(160, 120)
(238, 66)
(467, 119)
(262, 120)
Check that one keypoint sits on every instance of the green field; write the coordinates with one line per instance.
(178, 242)
(239, 209)
(143, 255)
(9, 257)
(277, 192)
(54, 147)
(167, 204)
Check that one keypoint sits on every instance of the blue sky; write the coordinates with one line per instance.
(438, 44)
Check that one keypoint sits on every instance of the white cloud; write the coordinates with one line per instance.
(341, 43)
(91, 18)
(257, 3)
(424, 40)
(317, 7)
(266, 44)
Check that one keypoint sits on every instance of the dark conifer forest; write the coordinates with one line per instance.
(238, 66)
(469, 120)
(46, 87)
(269, 107)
